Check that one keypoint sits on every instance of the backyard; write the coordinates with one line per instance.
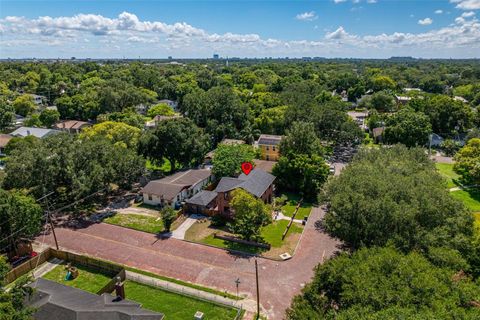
(175, 306)
(470, 197)
(203, 232)
(89, 279)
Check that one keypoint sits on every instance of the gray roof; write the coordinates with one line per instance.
(256, 183)
(269, 139)
(55, 301)
(32, 131)
(203, 198)
(170, 186)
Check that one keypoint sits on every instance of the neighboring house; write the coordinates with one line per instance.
(157, 119)
(436, 140)
(55, 301)
(378, 134)
(258, 183)
(269, 147)
(31, 131)
(172, 104)
(412, 89)
(402, 100)
(19, 120)
(174, 189)
(71, 126)
(4, 139)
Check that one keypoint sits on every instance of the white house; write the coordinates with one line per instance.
(175, 189)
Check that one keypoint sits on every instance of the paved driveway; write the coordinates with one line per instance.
(212, 267)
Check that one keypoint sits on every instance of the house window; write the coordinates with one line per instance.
(273, 148)
(268, 157)
(150, 197)
(267, 148)
(225, 196)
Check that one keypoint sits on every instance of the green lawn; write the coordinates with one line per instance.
(137, 222)
(175, 306)
(88, 279)
(470, 197)
(289, 208)
(446, 170)
(272, 234)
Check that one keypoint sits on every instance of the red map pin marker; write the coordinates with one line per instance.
(247, 167)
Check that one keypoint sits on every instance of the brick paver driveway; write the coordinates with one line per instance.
(212, 267)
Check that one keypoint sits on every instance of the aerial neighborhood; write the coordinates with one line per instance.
(137, 184)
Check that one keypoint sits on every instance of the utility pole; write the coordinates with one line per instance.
(50, 220)
(258, 290)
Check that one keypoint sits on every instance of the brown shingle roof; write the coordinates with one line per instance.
(71, 124)
(170, 186)
(4, 138)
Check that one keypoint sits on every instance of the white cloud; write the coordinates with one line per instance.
(371, 1)
(468, 14)
(339, 1)
(306, 16)
(438, 11)
(425, 22)
(97, 34)
(467, 4)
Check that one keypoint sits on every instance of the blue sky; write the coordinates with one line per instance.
(156, 29)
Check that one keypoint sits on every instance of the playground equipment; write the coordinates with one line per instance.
(72, 272)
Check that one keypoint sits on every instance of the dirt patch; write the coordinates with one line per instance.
(200, 230)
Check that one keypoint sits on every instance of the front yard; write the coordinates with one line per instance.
(470, 197)
(89, 279)
(203, 232)
(175, 306)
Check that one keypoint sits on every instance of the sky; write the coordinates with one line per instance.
(247, 28)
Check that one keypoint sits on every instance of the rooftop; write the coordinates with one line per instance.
(71, 124)
(203, 198)
(268, 139)
(256, 183)
(32, 131)
(55, 301)
(4, 138)
(170, 186)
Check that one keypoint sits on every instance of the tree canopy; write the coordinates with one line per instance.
(227, 159)
(467, 162)
(408, 127)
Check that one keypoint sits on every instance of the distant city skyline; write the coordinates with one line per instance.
(200, 29)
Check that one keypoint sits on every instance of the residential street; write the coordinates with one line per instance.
(212, 267)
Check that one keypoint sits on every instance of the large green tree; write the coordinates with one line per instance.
(467, 161)
(177, 140)
(301, 139)
(251, 214)
(228, 159)
(119, 133)
(20, 217)
(408, 127)
(382, 283)
(24, 105)
(394, 195)
(7, 115)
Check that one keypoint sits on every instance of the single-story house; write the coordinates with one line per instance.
(38, 100)
(172, 104)
(175, 189)
(4, 139)
(32, 131)
(258, 183)
(461, 99)
(71, 126)
(55, 301)
(412, 89)
(19, 120)
(377, 134)
(157, 119)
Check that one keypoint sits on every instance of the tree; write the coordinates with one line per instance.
(24, 105)
(49, 117)
(467, 161)
(381, 101)
(178, 140)
(395, 195)
(301, 173)
(7, 115)
(382, 283)
(301, 139)
(168, 217)
(450, 147)
(118, 132)
(382, 83)
(21, 217)
(251, 214)
(272, 120)
(161, 109)
(228, 159)
(408, 127)
(70, 167)
(12, 302)
(131, 118)
(33, 121)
